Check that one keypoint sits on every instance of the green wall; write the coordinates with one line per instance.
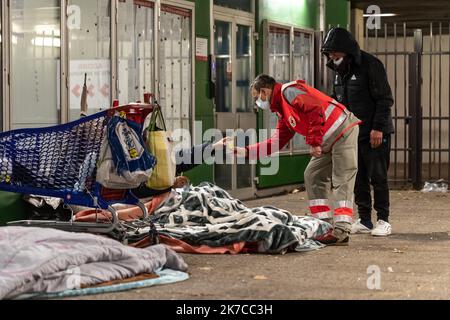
(204, 108)
(337, 13)
(302, 14)
(292, 169)
(12, 208)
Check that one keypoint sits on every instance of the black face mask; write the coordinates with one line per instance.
(343, 68)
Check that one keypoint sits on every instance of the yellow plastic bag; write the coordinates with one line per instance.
(160, 145)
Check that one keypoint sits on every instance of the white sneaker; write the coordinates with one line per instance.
(382, 229)
(359, 228)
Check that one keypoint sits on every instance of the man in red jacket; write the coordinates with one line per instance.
(331, 131)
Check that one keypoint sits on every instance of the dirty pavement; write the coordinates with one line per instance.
(412, 263)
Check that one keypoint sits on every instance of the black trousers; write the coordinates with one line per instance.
(373, 171)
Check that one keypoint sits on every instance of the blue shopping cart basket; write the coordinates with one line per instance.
(61, 162)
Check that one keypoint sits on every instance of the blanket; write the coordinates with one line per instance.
(34, 260)
(162, 277)
(207, 215)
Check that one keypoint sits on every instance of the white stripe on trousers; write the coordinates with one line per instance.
(318, 202)
(323, 215)
(344, 204)
(343, 218)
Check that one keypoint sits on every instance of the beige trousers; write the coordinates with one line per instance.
(334, 173)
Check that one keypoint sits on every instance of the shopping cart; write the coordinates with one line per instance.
(61, 162)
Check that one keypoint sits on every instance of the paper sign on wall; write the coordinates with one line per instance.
(201, 49)
(98, 83)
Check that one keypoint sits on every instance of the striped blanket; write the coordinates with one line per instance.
(207, 215)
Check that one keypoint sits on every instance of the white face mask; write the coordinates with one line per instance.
(263, 105)
(338, 62)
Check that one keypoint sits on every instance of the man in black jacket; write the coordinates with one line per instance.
(360, 83)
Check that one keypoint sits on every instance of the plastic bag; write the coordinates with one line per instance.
(107, 174)
(437, 186)
(124, 161)
(160, 145)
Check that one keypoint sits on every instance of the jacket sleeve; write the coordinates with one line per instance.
(190, 153)
(143, 192)
(316, 119)
(382, 95)
(283, 134)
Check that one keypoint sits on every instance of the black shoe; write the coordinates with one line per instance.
(331, 240)
(335, 242)
(340, 235)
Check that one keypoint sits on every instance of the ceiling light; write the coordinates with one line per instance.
(380, 15)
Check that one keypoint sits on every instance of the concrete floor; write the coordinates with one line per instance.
(414, 262)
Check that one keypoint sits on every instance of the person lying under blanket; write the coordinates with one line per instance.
(153, 198)
(206, 219)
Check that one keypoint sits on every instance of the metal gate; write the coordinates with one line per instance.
(417, 63)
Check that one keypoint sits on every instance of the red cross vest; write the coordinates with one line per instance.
(332, 116)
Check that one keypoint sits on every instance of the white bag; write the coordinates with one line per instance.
(107, 172)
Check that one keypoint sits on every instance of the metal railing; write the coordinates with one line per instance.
(417, 63)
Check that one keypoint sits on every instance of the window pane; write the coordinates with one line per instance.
(136, 50)
(144, 42)
(245, 5)
(222, 50)
(244, 176)
(126, 67)
(223, 176)
(243, 70)
(303, 69)
(175, 73)
(90, 53)
(279, 63)
(303, 57)
(279, 55)
(36, 42)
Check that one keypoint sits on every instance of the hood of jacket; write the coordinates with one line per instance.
(340, 40)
